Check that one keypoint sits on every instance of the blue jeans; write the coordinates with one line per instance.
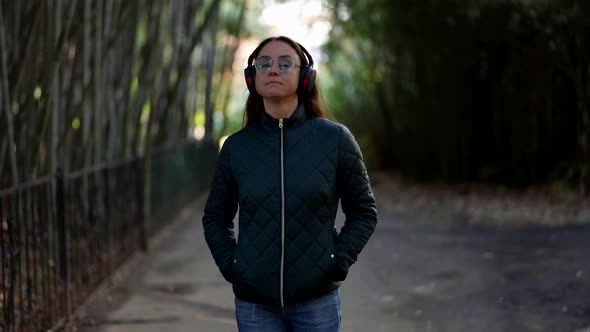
(322, 314)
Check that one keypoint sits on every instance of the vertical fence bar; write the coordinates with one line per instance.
(42, 251)
(62, 237)
(12, 269)
(3, 276)
(8, 314)
(143, 241)
(54, 303)
(32, 284)
(35, 257)
(19, 261)
(26, 280)
(107, 195)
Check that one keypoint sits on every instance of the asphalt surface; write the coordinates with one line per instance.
(413, 276)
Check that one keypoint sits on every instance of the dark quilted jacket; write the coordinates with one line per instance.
(287, 182)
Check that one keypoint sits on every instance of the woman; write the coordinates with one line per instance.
(286, 170)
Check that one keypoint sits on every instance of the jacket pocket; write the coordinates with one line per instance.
(236, 270)
(231, 271)
(228, 273)
(336, 272)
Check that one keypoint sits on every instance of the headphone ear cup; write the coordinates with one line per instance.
(306, 80)
(250, 75)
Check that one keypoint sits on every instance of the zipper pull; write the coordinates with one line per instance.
(281, 123)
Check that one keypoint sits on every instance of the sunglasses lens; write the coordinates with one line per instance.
(263, 64)
(285, 64)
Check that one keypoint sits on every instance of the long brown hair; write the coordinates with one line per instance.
(311, 102)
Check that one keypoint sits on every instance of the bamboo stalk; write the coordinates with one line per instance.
(6, 102)
(2, 154)
(229, 58)
(31, 41)
(174, 121)
(98, 84)
(130, 110)
(109, 86)
(195, 38)
(55, 95)
(86, 72)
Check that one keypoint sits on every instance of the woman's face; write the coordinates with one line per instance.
(277, 82)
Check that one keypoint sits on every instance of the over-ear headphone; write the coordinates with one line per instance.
(306, 75)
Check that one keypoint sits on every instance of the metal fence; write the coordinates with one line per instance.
(61, 236)
(30, 273)
(178, 173)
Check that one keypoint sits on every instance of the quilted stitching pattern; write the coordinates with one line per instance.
(322, 165)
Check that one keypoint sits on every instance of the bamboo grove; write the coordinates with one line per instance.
(83, 82)
(467, 91)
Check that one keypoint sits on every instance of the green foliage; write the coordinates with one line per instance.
(491, 91)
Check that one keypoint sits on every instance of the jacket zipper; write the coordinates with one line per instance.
(282, 213)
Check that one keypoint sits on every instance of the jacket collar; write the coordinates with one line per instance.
(294, 121)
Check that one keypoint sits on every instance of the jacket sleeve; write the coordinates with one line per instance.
(220, 210)
(357, 201)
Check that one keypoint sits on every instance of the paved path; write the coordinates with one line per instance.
(414, 276)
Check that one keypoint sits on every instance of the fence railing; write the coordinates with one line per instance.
(61, 236)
